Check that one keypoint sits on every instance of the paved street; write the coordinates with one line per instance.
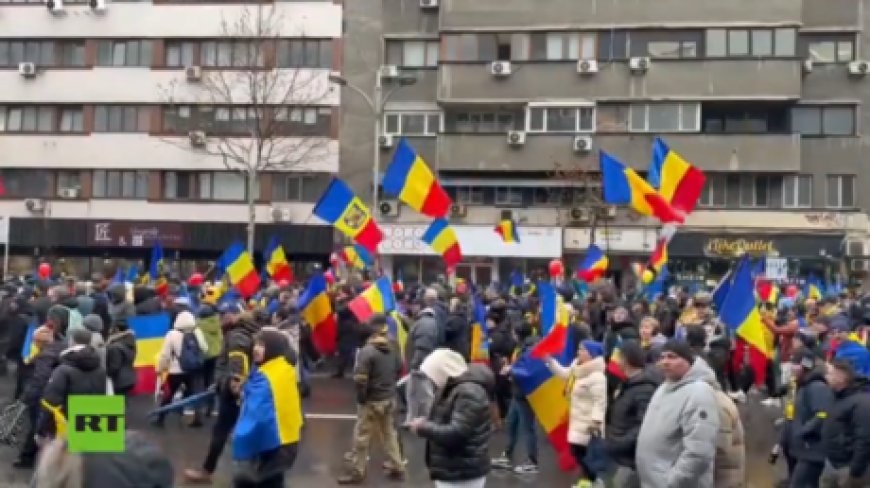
(327, 436)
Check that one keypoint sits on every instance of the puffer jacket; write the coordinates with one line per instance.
(120, 360)
(40, 371)
(119, 307)
(846, 431)
(79, 373)
(625, 416)
(457, 333)
(423, 339)
(813, 401)
(459, 427)
(588, 397)
(172, 346)
(377, 369)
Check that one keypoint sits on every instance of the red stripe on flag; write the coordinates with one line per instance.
(559, 439)
(662, 209)
(370, 236)
(552, 344)
(437, 202)
(249, 284)
(757, 360)
(453, 255)
(689, 190)
(146, 380)
(325, 335)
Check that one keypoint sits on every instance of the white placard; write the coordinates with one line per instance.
(776, 269)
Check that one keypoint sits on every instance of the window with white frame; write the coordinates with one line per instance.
(410, 53)
(714, 194)
(797, 191)
(412, 123)
(840, 191)
(665, 117)
(570, 119)
(754, 191)
(68, 180)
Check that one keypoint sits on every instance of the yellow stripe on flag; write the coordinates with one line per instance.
(147, 350)
(549, 403)
(417, 184)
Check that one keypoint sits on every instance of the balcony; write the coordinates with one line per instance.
(666, 79)
(560, 14)
(743, 153)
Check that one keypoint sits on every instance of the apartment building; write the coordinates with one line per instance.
(509, 100)
(127, 123)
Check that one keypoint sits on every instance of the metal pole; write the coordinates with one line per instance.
(6, 259)
(378, 109)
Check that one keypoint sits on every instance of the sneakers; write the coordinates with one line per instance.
(197, 476)
(526, 468)
(502, 462)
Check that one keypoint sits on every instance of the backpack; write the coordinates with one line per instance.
(191, 357)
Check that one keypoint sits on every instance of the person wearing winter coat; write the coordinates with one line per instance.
(423, 338)
(19, 323)
(348, 333)
(121, 358)
(209, 323)
(170, 362)
(586, 389)
(625, 415)
(79, 373)
(730, 468)
(683, 407)
(457, 331)
(94, 324)
(146, 301)
(459, 427)
(118, 306)
(846, 430)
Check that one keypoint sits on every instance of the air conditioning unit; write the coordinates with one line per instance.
(98, 6)
(426, 4)
(385, 141)
(582, 144)
(389, 208)
(54, 6)
(516, 137)
(458, 210)
(808, 66)
(639, 65)
(34, 204)
(389, 72)
(280, 214)
(859, 68)
(197, 138)
(193, 73)
(27, 70)
(860, 265)
(587, 66)
(69, 193)
(500, 68)
(856, 248)
(608, 212)
(580, 214)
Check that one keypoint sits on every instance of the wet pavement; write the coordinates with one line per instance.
(327, 436)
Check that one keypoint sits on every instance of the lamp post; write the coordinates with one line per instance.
(376, 103)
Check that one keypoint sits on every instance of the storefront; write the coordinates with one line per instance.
(622, 245)
(82, 247)
(486, 258)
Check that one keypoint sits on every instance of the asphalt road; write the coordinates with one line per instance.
(327, 436)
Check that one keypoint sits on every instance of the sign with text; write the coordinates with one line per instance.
(776, 269)
(732, 248)
(96, 423)
(135, 234)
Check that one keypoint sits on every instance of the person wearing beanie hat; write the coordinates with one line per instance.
(848, 346)
(183, 341)
(586, 390)
(627, 411)
(683, 407)
(459, 428)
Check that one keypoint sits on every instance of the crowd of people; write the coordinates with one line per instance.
(652, 390)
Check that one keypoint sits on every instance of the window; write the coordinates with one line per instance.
(670, 44)
(664, 117)
(754, 191)
(413, 124)
(413, 53)
(508, 196)
(470, 195)
(561, 119)
(820, 120)
(120, 184)
(749, 119)
(303, 121)
(304, 53)
(121, 118)
(722, 43)
(26, 183)
(178, 185)
(28, 118)
(483, 122)
(72, 119)
(611, 118)
(221, 186)
(68, 181)
(124, 53)
(40, 53)
(797, 191)
(298, 188)
(612, 45)
(841, 191)
(714, 193)
(559, 46)
(232, 54)
(70, 53)
(179, 54)
(833, 48)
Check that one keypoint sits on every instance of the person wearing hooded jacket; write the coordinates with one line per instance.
(423, 338)
(121, 358)
(169, 362)
(846, 430)
(210, 325)
(457, 331)
(23, 316)
(119, 307)
(459, 427)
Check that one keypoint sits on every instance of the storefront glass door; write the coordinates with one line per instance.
(479, 274)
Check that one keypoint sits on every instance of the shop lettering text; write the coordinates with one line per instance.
(738, 247)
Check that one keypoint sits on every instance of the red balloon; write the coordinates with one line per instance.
(196, 279)
(45, 271)
(330, 278)
(791, 291)
(556, 268)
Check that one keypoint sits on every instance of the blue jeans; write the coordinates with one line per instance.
(521, 418)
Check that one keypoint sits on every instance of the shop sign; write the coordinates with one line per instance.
(535, 242)
(133, 234)
(614, 239)
(724, 247)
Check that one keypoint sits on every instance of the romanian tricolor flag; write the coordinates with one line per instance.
(623, 185)
(479, 334)
(156, 265)
(507, 229)
(377, 298)
(741, 315)
(149, 331)
(613, 366)
(317, 311)
(240, 269)
(814, 287)
(657, 261)
(442, 238)
(554, 322)
(679, 182)
(399, 282)
(396, 330)
(768, 291)
(341, 208)
(357, 256)
(409, 179)
(594, 265)
(276, 261)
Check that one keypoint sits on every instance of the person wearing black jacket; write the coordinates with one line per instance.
(121, 358)
(457, 333)
(846, 430)
(501, 347)
(625, 415)
(348, 334)
(18, 323)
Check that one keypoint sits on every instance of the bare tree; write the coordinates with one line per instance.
(258, 92)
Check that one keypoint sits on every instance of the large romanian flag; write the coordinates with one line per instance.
(377, 298)
(679, 182)
(443, 240)
(594, 264)
(276, 261)
(622, 185)
(239, 268)
(149, 331)
(741, 315)
(341, 208)
(317, 311)
(409, 179)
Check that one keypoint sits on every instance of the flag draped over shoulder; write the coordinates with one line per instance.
(377, 298)
(679, 182)
(622, 185)
(149, 331)
(340, 207)
(317, 312)
(409, 179)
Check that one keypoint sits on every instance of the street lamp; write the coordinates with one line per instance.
(376, 104)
